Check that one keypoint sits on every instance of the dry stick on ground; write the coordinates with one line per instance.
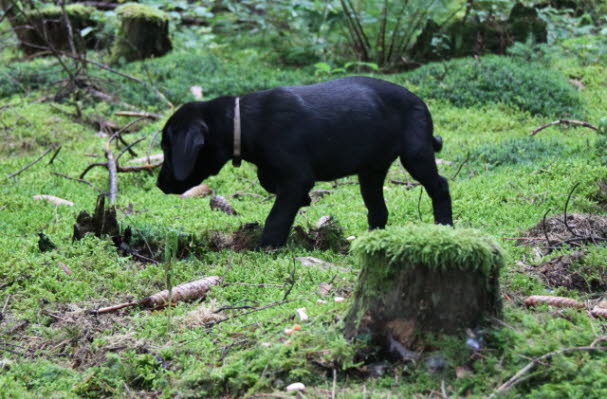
(515, 379)
(181, 293)
(138, 114)
(151, 144)
(29, 165)
(565, 122)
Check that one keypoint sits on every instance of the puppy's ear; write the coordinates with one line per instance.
(185, 150)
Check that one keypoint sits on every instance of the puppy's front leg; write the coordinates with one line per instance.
(289, 199)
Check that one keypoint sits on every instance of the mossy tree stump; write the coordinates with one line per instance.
(37, 29)
(423, 280)
(143, 33)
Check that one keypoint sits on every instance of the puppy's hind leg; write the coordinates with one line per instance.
(422, 167)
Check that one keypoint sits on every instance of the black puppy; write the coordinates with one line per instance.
(297, 135)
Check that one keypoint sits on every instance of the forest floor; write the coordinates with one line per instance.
(239, 341)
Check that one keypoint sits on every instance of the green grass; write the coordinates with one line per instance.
(505, 187)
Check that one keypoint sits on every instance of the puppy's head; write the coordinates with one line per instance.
(188, 154)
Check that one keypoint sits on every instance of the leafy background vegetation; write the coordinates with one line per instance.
(502, 183)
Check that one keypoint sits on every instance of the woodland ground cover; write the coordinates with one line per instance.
(503, 182)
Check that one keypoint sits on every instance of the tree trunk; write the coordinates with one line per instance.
(423, 280)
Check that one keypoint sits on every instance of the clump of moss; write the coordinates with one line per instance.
(140, 11)
(437, 247)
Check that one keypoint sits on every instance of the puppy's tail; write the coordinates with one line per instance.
(437, 143)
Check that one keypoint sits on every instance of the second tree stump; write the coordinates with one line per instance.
(422, 280)
(143, 33)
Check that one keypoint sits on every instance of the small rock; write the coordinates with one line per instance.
(377, 370)
(435, 363)
(473, 344)
(266, 344)
(351, 238)
(339, 299)
(301, 312)
(196, 92)
(320, 301)
(296, 387)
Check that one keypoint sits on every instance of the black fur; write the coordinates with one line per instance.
(297, 135)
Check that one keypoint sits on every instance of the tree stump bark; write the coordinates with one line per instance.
(422, 280)
(143, 33)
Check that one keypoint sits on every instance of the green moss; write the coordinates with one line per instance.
(135, 10)
(434, 246)
(73, 10)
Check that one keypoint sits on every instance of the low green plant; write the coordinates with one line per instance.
(520, 150)
(491, 79)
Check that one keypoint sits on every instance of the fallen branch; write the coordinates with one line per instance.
(35, 161)
(558, 301)
(52, 199)
(565, 122)
(186, 292)
(516, 378)
(135, 114)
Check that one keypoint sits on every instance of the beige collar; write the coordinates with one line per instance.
(237, 134)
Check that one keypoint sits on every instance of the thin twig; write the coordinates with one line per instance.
(73, 178)
(566, 122)
(29, 165)
(565, 211)
(544, 228)
(461, 165)
(515, 379)
(54, 155)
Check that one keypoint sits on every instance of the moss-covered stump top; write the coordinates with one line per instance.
(73, 10)
(140, 11)
(437, 247)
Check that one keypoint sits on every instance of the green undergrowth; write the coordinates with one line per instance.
(502, 182)
(469, 82)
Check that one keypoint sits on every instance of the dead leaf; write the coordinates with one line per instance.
(217, 202)
(324, 288)
(65, 269)
(462, 372)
